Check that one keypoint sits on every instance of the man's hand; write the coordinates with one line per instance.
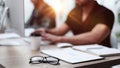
(51, 38)
(38, 32)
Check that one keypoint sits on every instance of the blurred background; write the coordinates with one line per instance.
(13, 18)
(63, 7)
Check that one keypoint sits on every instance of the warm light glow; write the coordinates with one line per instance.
(57, 5)
(61, 8)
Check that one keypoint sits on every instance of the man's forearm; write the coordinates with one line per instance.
(53, 31)
(80, 39)
(57, 31)
(63, 29)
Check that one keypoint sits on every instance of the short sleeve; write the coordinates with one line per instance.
(107, 18)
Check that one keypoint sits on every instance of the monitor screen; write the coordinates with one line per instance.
(15, 20)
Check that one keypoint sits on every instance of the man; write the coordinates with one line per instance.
(89, 22)
(43, 15)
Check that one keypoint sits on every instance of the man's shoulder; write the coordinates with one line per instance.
(74, 12)
(104, 11)
(104, 15)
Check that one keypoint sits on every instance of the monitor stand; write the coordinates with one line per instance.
(1, 66)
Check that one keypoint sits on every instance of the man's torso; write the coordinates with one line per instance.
(98, 15)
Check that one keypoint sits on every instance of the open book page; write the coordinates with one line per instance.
(98, 50)
(70, 55)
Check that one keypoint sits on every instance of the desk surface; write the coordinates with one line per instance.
(18, 57)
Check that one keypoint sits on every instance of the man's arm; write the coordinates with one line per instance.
(63, 29)
(96, 35)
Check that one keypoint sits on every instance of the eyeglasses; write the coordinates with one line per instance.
(41, 59)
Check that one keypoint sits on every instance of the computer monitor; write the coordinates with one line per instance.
(15, 20)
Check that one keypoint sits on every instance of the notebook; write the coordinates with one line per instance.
(97, 50)
(70, 55)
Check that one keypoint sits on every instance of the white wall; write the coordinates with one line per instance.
(66, 7)
(28, 8)
(16, 19)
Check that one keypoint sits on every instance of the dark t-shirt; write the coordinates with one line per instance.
(41, 16)
(98, 15)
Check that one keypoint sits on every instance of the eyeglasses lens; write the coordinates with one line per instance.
(36, 60)
(52, 60)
